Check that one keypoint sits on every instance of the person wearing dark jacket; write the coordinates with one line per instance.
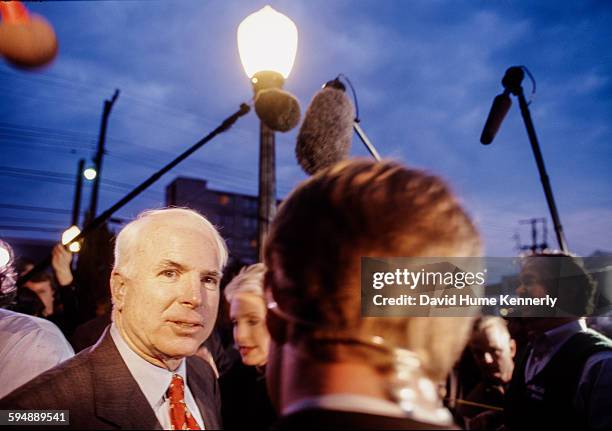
(244, 397)
(329, 367)
(142, 373)
(563, 378)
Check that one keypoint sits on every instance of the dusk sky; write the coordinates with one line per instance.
(425, 73)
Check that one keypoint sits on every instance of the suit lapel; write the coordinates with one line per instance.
(118, 398)
(202, 391)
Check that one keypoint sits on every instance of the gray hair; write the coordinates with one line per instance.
(484, 322)
(249, 280)
(129, 235)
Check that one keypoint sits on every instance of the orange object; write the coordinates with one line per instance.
(26, 40)
(13, 12)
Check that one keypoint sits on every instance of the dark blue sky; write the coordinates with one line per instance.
(425, 73)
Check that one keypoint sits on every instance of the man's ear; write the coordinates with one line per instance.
(118, 285)
(512, 347)
(277, 328)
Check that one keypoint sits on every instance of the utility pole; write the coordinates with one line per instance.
(93, 205)
(76, 206)
(535, 247)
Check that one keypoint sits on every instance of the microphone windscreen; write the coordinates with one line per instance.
(28, 44)
(278, 109)
(499, 109)
(327, 131)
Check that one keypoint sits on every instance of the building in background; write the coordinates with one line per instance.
(235, 215)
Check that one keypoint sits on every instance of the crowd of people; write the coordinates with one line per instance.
(300, 353)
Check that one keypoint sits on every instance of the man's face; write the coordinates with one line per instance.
(494, 350)
(532, 286)
(44, 290)
(167, 305)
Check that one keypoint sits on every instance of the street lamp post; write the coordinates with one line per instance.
(267, 43)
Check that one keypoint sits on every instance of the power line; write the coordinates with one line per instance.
(31, 229)
(107, 187)
(31, 220)
(77, 137)
(46, 147)
(36, 208)
(33, 208)
(63, 178)
(70, 84)
(227, 178)
(47, 130)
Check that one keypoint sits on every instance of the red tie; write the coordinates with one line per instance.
(180, 418)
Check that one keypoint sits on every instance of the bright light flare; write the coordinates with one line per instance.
(267, 41)
(90, 174)
(67, 237)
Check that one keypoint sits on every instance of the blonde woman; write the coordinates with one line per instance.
(245, 401)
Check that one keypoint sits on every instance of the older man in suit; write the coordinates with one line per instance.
(165, 290)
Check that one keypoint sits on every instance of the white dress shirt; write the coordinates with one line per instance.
(154, 382)
(29, 346)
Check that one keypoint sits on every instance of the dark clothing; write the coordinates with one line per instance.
(481, 417)
(66, 315)
(313, 419)
(100, 393)
(244, 399)
(547, 401)
(462, 379)
(225, 358)
(485, 394)
(88, 333)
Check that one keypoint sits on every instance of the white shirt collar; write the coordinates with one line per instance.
(560, 334)
(552, 340)
(152, 380)
(347, 402)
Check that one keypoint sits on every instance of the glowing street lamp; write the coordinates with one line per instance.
(90, 174)
(267, 44)
(67, 237)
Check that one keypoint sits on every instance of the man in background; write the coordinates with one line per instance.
(493, 350)
(29, 345)
(563, 379)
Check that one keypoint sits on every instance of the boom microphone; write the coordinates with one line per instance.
(327, 130)
(499, 109)
(26, 41)
(278, 109)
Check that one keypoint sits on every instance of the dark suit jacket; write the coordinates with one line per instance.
(99, 391)
(245, 403)
(316, 419)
